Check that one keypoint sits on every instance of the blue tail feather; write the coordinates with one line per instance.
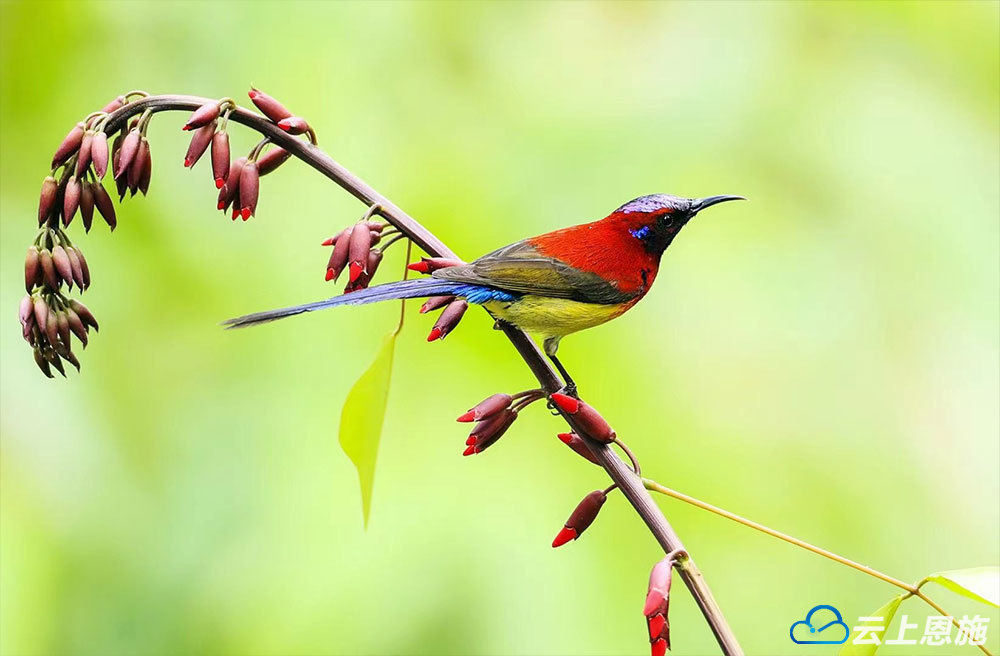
(418, 288)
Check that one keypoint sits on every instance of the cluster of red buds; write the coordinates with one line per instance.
(657, 604)
(454, 308)
(493, 416)
(354, 250)
(48, 318)
(238, 181)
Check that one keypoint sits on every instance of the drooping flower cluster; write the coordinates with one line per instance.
(493, 416)
(74, 186)
(359, 249)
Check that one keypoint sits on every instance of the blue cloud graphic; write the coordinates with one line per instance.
(814, 630)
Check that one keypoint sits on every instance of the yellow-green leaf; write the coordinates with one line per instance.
(886, 612)
(362, 417)
(979, 583)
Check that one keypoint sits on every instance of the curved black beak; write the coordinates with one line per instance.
(698, 204)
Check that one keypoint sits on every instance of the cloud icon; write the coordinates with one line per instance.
(818, 621)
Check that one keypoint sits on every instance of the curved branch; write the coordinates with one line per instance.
(630, 484)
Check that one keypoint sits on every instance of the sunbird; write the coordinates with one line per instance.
(554, 284)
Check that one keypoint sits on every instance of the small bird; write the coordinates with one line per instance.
(554, 284)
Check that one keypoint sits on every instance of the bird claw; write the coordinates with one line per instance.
(569, 390)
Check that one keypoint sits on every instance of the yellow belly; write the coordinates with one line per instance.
(554, 317)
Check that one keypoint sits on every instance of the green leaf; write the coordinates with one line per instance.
(979, 583)
(886, 612)
(362, 417)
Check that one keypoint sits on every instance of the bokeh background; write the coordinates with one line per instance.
(823, 359)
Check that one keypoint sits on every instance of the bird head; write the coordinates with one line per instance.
(655, 220)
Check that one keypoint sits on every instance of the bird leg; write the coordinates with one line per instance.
(569, 389)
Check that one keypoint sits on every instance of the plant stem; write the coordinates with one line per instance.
(912, 590)
(630, 484)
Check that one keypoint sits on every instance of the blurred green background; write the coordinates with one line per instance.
(823, 359)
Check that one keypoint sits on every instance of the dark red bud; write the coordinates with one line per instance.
(75, 268)
(52, 328)
(583, 516)
(231, 190)
(84, 269)
(450, 317)
(71, 200)
(202, 116)
(85, 315)
(359, 247)
(272, 159)
(104, 205)
(200, 141)
(41, 312)
(575, 442)
(435, 302)
(48, 271)
(62, 325)
(76, 325)
(32, 269)
(488, 431)
(53, 359)
(87, 205)
(121, 183)
(249, 190)
(47, 200)
(99, 154)
(430, 264)
(83, 159)
(341, 251)
(268, 106)
(69, 145)
(294, 125)
(137, 170)
(63, 267)
(114, 105)
(127, 152)
(42, 363)
(146, 172)
(488, 407)
(586, 417)
(220, 158)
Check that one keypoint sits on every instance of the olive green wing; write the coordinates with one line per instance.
(520, 268)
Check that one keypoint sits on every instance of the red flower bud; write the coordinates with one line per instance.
(448, 320)
(294, 125)
(32, 269)
(249, 190)
(71, 200)
(435, 302)
(49, 273)
(69, 145)
(99, 154)
(657, 605)
(26, 311)
(104, 205)
(83, 159)
(488, 407)
(52, 328)
(487, 432)
(575, 442)
(338, 258)
(585, 416)
(272, 159)
(231, 190)
(268, 106)
(87, 205)
(47, 200)
(581, 518)
(84, 314)
(121, 183)
(114, 105)
(63, 267)
(220, 158)
(146, 172)
(75, 267)
(127, 152)
(137, 170)
(202, 116)
(84, 269)
(359, 246)
(200, 141)
(430, 264)
(77, 327)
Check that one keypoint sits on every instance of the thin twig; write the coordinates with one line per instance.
(911, 589)
(630, 484)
